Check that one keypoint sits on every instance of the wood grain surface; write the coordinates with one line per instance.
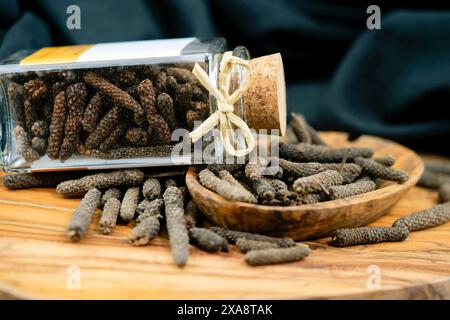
(38, 262)
(307, 222)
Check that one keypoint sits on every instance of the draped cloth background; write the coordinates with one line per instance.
(393, 82)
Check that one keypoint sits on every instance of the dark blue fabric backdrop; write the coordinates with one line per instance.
(392, 82)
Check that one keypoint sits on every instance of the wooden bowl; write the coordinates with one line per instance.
(315, 220)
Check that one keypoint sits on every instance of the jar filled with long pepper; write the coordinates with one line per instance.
(138, 104)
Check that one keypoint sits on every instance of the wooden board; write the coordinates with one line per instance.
(38, 261)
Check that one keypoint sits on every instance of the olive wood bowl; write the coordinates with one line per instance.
(318, 220)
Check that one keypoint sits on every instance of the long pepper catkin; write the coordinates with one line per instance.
(312, 198)
(109, 216)
(254, 168)
(117, 178)
(133, 152)
(263, 189)
(227, 190)
(150, 208)
(151, 188)
(39, 144)
(16, 99)
(377, 170)
(104, 128)
(58, 87)
(425, 219)
(191, 214)
(386, 161)
(300, 128)
(444, 193)
(148, 224)
(182, 75)
(176, 225)
(82, 215)
(207, 240)
(227, 176)
(317, 153)
(433, 179)
(245, 245)
(124, 77)
(29, 113)
(116, 94)
(300, 169)
(40, 129)
(315, 136)
(27, 152)
(165, 108)
(36, 90)
(232, 167)
(141, 206)
(75, 99)
(145, 231)
(399, 231)
(441, 166)
(182, 97)
(111, 193)
(114, 137)
(129, 203)
(93, 112)
(349, 190)
(171, 85)
(349, 171)
(317, 182)
(160, 82)
(368, 235)
(57, 126)
(158, 126)
(232, 235)
(137, 137)
(37, 179)
(193, 118)
(276, 255)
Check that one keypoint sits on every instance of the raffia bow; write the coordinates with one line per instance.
(224, 115)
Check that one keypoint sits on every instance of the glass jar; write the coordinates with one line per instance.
(116, 105)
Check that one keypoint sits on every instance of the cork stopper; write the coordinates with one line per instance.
(265, 99)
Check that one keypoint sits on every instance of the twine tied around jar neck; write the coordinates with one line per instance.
(224, 115)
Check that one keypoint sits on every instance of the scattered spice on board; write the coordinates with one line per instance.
(308, 173)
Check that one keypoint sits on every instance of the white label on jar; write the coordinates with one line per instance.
(113, 51)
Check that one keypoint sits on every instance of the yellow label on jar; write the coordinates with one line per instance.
(51, 55)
